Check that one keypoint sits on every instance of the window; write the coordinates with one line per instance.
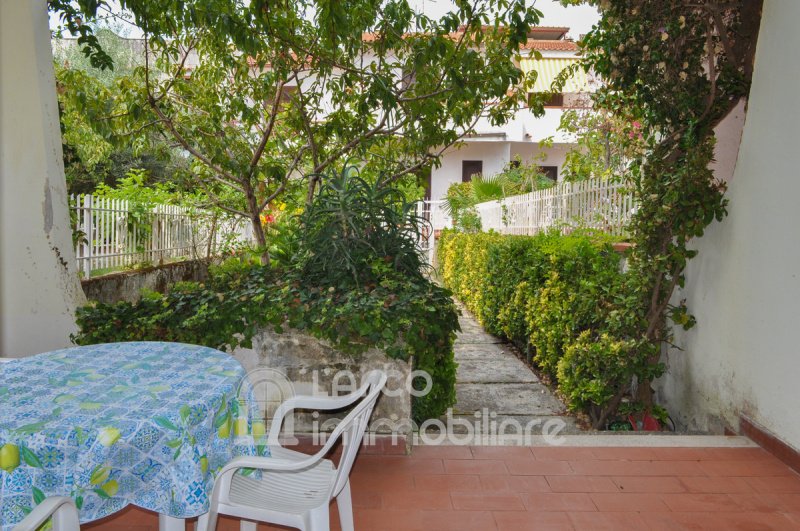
(547, 99)
(551, 172)
(470, 168)
(555, 100)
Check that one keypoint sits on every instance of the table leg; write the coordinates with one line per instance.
(170, 523)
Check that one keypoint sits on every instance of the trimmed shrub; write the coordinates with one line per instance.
(562, 297)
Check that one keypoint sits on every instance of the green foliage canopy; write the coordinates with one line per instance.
(288, 90)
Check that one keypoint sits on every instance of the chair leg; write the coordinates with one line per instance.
(344, 502)
(320, 519)
(248, 525)
(202, 522)
(210, 521)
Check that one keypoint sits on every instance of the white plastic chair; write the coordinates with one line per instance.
(61, 508)
(296, 489)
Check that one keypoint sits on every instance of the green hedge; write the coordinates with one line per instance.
(557, 296)
(410, 318)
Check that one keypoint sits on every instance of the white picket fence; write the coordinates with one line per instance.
(114, 233)
(594, 203)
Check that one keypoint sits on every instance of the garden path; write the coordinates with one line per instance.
(492, 380)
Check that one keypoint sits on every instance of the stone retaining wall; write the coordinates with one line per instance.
(296, 363)
(127, 285)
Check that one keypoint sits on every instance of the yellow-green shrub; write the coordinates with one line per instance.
(562, 296)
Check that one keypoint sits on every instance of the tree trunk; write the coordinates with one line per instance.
(255, 219)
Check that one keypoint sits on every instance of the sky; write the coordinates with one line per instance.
(578, 18)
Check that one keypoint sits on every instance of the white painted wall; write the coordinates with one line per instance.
(533, 153)
(743, 357)
(494, 155)
(39, 288)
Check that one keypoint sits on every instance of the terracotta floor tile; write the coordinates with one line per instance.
(532, 467)
(438, 501)
(506, 483)
(749, 468)
(457, 520)
(680, 454)
(389, 520)
(772, 502)
(501, 452)
(636, 468)
(607, 521)
(649, 484)
(699, 502)
(441, 452)
(607, 468)
(717, 485)
(366, 498)
(531, 521)
(679, 521)
(380, 483)
(486, 488)
(775, 484)
(581, 484)
(558, 501)
(625, 454)
(737, 454)
(483, 466)
(563, 453)
(383, 465)
(628, 502)
(445, 482)
(472, 501)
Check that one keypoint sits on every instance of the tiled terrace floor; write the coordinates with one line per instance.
(518, 488)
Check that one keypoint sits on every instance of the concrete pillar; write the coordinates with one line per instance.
(39, 287)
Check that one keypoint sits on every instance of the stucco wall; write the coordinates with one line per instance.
(39, 287)
(743, 357)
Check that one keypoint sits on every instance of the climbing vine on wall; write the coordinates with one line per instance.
(680, 67)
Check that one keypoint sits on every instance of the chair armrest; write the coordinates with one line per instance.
(61, 508)
(307, 402)
(268, 463)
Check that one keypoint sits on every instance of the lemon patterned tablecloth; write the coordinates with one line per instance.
(143, 423)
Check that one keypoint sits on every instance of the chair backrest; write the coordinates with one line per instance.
(354, 425)
(61, 508)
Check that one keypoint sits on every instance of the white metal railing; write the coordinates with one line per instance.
(437, 218)
(113, 233)
(594, 203)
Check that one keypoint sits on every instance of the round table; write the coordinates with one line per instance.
(142, 423)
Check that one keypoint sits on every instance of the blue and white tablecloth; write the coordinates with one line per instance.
(141, 423)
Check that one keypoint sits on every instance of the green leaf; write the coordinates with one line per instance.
(29, 457)
(219, 420)
(164, 422)
(38, 496)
